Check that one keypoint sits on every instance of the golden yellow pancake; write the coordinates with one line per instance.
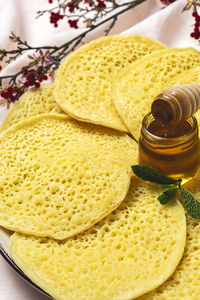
(83, 81)
(32, 103)
(60, 176)
(128, 253)
(184, 283)
(135, 88)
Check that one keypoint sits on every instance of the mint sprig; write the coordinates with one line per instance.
(168, 195)
(150, 174)
(192, 205)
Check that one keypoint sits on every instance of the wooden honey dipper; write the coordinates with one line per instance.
(177, 103)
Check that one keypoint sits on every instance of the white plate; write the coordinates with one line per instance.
(5, 252)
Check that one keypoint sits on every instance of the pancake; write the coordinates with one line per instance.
(135, 89)
(60, 176)
(131, 251)
(184, 283)
(83, 80)
(32, 103)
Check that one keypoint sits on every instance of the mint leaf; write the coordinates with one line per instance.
(166, 186)
(170, 186)
(192, 205)
(167, 195)
(148, 173)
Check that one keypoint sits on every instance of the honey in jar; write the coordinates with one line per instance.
(172, 149)
(169, 139)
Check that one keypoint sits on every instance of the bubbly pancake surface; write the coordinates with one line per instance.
(135, 89)
(32, 103)
(131, 251)
(184, 283)
(60, 176)
(83, 80)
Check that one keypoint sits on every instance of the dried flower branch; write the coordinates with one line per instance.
(190, 5)
(167, 2)
(194, 5)
(45, 60)
(22, 46)
(79, 12)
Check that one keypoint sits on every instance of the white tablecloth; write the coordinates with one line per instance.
(168, 25)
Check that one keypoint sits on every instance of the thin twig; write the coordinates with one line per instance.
(44, 63)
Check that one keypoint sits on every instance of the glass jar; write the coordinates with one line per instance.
(172, 149)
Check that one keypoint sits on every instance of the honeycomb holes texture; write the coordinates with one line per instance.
(134, 90)
(128, 253)
(60, 176)
(184, 283)
(83, 80)
(32, 103)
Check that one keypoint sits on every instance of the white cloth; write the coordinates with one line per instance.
(168, 25)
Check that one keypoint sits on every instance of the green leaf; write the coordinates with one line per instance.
(166, 186)
(168, 195)
(148, 173)
(192, 205)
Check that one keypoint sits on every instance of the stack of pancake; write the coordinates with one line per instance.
(83, 226)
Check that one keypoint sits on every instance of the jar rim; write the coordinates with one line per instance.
(186, 136)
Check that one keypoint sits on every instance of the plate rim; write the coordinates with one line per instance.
(13, 265)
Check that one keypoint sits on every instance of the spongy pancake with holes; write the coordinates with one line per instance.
(184, 284)
(34, 102)
(83, 80)
(133, 250)
(189, 76)
(60, 176)
(135, 89)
